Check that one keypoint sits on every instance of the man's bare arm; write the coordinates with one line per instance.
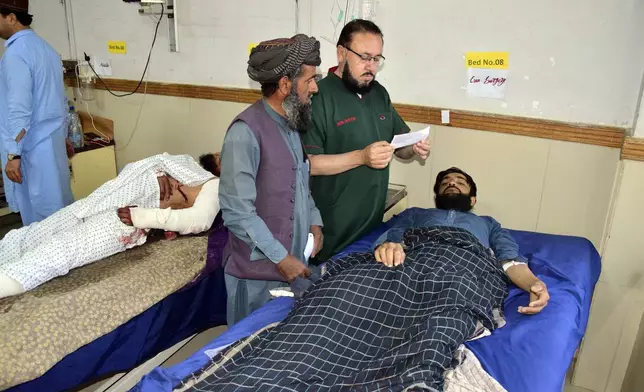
(376, 155)
(521, 276)
(332, 164)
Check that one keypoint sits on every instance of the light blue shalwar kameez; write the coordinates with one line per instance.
(32, 97)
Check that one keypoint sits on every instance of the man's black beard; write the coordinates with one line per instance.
(299, 116)
(454, 201)
(354, 85)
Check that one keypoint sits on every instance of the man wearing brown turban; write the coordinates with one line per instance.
(264, 187)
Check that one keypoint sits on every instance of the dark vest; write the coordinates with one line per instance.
(275, 201)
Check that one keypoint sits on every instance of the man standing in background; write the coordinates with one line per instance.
(32, 118)
(264, 189)
(353, 123)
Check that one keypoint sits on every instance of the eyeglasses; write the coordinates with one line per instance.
(365, 58)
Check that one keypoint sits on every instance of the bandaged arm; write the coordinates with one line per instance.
(193, 220)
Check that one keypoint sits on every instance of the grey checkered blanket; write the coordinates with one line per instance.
(364, 326)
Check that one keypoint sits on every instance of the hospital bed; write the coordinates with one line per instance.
(112, 315)
(529, 354)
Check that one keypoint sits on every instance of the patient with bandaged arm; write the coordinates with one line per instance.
(455, 196)
(167, 192)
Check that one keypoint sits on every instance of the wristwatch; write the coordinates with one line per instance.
(12, 157)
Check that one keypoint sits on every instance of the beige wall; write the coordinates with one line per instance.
(634, 379)
(618, 304)
(526, 183)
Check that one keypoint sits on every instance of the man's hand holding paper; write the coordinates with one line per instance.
(407, 139)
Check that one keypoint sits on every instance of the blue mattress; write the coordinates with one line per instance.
(529, 354)
(178, 316)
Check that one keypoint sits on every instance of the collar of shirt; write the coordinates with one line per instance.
(17, 35)
(278, 118)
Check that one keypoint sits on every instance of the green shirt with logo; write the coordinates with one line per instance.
(351, 203)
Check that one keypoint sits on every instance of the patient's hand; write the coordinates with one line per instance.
(125, 216)
(165, 187)
(539, 297)
(390, 254)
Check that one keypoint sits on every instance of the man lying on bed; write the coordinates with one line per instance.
(168, 192)
(455, 196)
(367, 326)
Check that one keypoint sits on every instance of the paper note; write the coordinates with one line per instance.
(118, 47)
(102, 67)
(250, 47)
(487, 83)
(407, 139)
(489, 60)
(309, 246)
(445, 116)
(487, 74)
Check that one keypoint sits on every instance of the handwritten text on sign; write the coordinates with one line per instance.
(117, 47)
(487, 74)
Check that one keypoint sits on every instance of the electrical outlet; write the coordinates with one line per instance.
(69, 66)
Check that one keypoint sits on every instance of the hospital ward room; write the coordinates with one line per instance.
(321, 195)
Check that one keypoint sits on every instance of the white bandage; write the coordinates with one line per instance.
(512, 264)
(193, 220)
(9, 286)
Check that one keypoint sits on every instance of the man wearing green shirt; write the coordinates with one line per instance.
(354, 122)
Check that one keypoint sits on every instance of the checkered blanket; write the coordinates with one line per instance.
(368, 327)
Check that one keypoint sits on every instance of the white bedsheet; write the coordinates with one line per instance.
(89, 229)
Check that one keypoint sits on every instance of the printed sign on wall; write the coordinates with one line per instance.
(118, 47)
(487, 74)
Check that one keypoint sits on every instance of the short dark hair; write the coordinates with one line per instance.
(269, 89)
(357, 26)
(468, 178)
(209, 162)
(24, 18)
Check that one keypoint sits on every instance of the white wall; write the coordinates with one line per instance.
(213, 36)
(573, 60)
(577, 60)
(49, 22)
(639, 126)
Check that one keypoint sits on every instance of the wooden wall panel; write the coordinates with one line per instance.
(633, 149)
(577, 133)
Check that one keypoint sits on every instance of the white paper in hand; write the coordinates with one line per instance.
(407, 139)
(309, 247)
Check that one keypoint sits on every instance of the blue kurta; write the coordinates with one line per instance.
(32, 97)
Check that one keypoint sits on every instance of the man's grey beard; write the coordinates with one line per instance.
(299, 116)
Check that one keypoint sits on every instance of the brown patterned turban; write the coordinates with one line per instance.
(271, 60)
